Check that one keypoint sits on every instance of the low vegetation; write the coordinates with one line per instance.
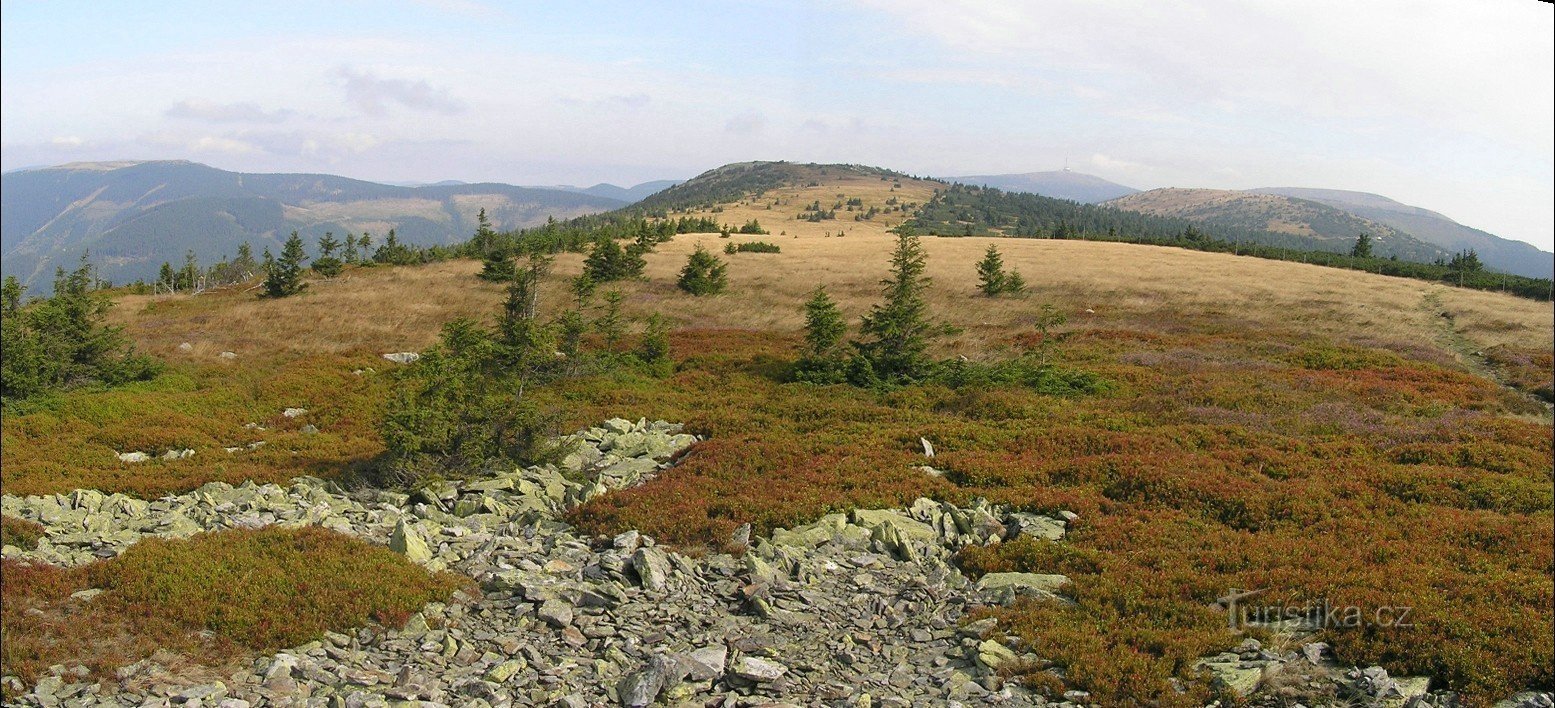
(209, 597)
(20, 533)
(752, 247)
(1212, 431)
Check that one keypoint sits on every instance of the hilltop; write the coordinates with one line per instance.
(133, 216)
(1059, 184)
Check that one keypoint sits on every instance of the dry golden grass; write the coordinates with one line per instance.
(1099, 285)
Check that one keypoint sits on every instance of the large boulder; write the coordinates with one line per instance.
(1007, 586)
(407, 541)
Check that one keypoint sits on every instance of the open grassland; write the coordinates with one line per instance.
(1315, 432)
(210, 598)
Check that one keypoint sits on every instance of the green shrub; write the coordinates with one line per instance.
(704, 273)
(458, 407)
(63, 341)
(753, 247)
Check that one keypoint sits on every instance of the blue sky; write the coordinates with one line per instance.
(1445, 105)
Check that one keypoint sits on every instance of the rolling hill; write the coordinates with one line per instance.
(135, 215)
(1059, 184)
(1500, 253)
(629, 195)
(1330, 228)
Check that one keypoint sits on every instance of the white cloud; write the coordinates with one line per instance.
(374, 95)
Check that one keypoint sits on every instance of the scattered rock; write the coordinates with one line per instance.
(229, 355)
(556, 613)
(751, 668)
(133, 457)
(294, 412)
(402, 357)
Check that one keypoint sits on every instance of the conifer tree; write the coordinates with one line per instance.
(327, 264)
(896, 332)
(244, 263)
(822, 362)
(610, 324)
(1362, 247)
(283, 276)
(655, 349)
(498, 267)
(990, 272)
(704, 274)
(524, 342)
(189, 275)
(167, 278)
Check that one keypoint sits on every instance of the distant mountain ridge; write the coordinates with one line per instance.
(1336, 228)
(1059, 184)
(630, 195)
(135, 215)
(1504, 254)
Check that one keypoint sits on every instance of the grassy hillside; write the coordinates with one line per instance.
(1503, 254)
(1332, 229)
(743, 181)
(961, 210)
(1320, 432)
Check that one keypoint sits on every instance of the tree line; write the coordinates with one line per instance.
(961, 210)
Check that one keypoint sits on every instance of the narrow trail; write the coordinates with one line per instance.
(1467, 353)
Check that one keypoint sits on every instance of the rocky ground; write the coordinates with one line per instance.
(859, 609)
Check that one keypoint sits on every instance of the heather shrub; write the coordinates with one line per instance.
(269, 589)
(21, 533)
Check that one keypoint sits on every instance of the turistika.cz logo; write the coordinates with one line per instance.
(1243, 609)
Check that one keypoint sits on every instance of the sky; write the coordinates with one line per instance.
(1441, 104)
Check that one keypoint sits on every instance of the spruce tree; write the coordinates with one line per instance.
(283, 276)
(823, 326)
(704, 274)
(244, 264)
(606, 261)
(167, 278)
(327, 264)
(524, 341)
(990, 273)
(896, 332)
(485, 239)
(822, 361)
(655, 348)
(1014, 282)
(498, 267)
(610, 324)
(189, 275)
(1362, 247)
